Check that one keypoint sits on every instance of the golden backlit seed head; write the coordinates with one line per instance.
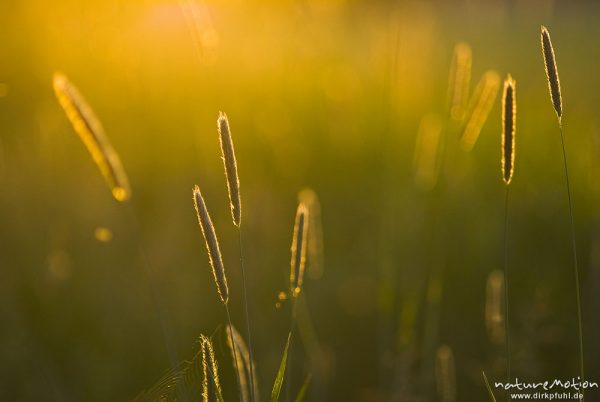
(210, 382)
(551, 71)
(509, 120)
(212, 245)
(231, 172)
(88, 127)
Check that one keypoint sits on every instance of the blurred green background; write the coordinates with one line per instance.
(321, 93)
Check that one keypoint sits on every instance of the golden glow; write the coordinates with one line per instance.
(460, 78)
(426, 160)
(86, 124)
(103, 234)
(480, 106)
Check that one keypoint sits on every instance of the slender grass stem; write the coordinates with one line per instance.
(235, 359)
(288, 387)
(575, 265)
(506, 308)
(249, 333)
(308, 335)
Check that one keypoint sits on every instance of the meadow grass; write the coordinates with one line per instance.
(555, 96)
(433, 163)
(235, 200)
(216, 263)
(509, 128)
(460, 130)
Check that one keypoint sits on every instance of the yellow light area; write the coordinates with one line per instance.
(103, 234)
(59, 264)
(3, 90)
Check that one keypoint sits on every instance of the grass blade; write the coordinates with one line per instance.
(302, 392)
(487, 385)
(281, 372)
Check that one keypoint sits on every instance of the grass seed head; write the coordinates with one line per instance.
(212, 245)
(509, 120)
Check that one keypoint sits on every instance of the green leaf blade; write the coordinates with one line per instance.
(281, 372)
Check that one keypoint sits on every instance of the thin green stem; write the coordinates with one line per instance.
(249, 333)
(576, 268)
(235, 359)
(506, 310)
(288, 388)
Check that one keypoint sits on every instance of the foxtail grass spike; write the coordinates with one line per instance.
(299, 247)
(479, 108)
(460, 77)
(509, 119)
(211, 383)
(315, 245)
(554, 86)
(231, 173)
(212, 245)
(90, 130)
(551, 72)
(205, 372)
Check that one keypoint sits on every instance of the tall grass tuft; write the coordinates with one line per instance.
(214, 256)
(190, 380)
(90, 130)
(555, 96)
(233, 189)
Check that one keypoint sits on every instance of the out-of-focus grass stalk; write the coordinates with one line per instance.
(87, 125)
